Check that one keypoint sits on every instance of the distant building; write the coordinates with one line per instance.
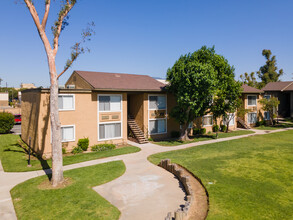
(27, 86)
(4, 97)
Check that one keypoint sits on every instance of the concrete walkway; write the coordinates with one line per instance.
(145, 191)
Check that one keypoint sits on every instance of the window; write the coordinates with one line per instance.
(230, 116)
(266, 116)
(251, 118)
(68, 133)
(251, 100)
(157, 126)
(110, 103)
(66, 102)
(157, 102)
(207, 120)
(267, 96)
(110, 131)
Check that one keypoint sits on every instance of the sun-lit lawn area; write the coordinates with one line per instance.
(205, 137)
(76, 201)
(248, 178)
(14, 158)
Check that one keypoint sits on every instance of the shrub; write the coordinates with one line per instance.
(77, 150)
(223, 128)
(151, 139)
(202, 131)
(257, 124)
(209, 132)
(215, 128)
(196, 131)
(83, 144)
(175, 134)
(103, 147)
(64, 150)
(6, 122)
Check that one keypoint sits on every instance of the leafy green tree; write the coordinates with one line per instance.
(268, 72)
(226, 98)
(270, 105)
(249, 79)
(192, 80)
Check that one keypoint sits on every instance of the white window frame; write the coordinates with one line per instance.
(269, 96)
(110, 102)
(206, 117)
(149, 109)
(156, 95)
(248, 117)
(66, 126)
(268, 115)
(255, 100)
(110, 122)
(73, 95)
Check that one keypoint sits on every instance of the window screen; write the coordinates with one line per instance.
(251, 100)
(251, 118)
(157, 102)
(207, 120)
(67, 133)
(110, 103)
(109, 131)
(157, 126)
(66, 102)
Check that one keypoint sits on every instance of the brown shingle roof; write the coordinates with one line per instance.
(121, 81)
(249, 89)
(279, 86)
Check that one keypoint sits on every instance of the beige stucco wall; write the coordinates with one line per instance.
(257, 108)
(79, 82)
(36, 124)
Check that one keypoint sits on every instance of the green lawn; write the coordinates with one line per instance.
(275, 127)
(247, 178)
(202, 138)
(76, 201)
(14, 158)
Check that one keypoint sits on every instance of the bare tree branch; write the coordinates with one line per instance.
(47, 9)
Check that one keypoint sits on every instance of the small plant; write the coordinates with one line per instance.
(83, 143)
(209, 133)
(103, 147)
(150, 139)
(196, 131)
(175, 134)
(64, 150)
(215, 128)
(202, 131)
(6, 122)
(223, 128)
(77, 150)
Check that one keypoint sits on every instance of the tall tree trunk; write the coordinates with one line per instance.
(184, 133)
(57, 160)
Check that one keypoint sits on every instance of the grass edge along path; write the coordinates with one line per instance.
(172, 143)
(76, 201)
(247, 178)
(14, 158)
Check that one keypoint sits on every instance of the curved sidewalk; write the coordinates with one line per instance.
(145, 191)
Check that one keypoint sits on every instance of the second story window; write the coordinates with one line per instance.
(251, 100)
(66, 102)
(110, 103)
(157, 102)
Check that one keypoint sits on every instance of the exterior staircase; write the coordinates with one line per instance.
(241, 123)
(137, 132)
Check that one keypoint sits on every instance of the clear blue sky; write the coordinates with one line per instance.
(147, 37)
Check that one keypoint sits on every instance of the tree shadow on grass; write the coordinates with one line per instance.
(23, 149)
